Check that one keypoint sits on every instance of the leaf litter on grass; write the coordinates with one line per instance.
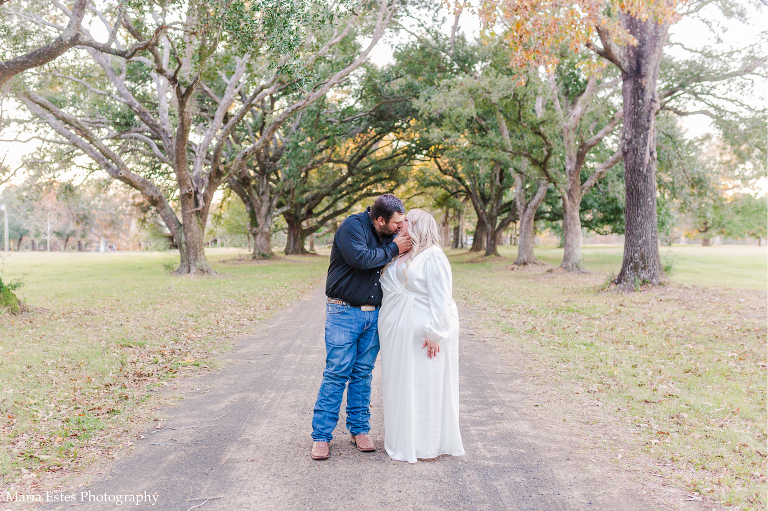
(682, 367)
(83, 375)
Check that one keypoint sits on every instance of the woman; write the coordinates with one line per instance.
(419, 337)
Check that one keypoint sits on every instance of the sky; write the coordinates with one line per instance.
(689, 30)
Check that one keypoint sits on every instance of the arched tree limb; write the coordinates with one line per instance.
(68, 38)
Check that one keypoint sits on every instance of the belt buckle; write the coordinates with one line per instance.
(367, 308)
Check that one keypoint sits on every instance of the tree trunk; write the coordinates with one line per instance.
(572, 261)
(526, 213)
(456, 236)
(311, 229)
(641, 261)
(194, 210)
(490, 240)
(705, 242)
(445, 229)
(262, 242)
(255, 197)
(191, 247)
(294, 243)
(80, 245)
(480, 236)
(34, 245)
(526, 240)
(261, 229)
(458, 231)
(189, 238)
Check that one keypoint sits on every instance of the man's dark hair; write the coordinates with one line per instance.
(386, 206)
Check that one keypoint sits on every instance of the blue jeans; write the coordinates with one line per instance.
(351, 345)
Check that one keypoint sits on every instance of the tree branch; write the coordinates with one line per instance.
(600, 171)
(607, 129)
(67, 39)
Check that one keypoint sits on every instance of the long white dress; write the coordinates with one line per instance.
(421, 395)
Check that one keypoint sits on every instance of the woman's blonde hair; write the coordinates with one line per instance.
(422, 228)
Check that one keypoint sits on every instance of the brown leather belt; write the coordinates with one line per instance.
(366, 308)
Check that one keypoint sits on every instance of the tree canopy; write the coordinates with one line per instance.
(561, 117)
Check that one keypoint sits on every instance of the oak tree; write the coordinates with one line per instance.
(157, 103)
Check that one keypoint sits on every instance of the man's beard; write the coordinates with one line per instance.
(386, 232)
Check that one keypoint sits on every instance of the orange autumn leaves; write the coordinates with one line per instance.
(537, 29)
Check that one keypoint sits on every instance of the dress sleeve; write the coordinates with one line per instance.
(440, 293)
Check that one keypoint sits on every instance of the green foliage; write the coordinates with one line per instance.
(464, 111)
(696, 189)
(334, 154)
(231, 220)
(458, 125)
(16, 215)
(570, 76)
(601, 209)
(156, 237)
(442, 98)
(665, 219)
(607, 283)
(726, 84)
(746, 217)
(235, 221)
(12, 285)
(276, 28)
(9, 302)
(668, 262)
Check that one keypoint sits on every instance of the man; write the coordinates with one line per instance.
(362, 246)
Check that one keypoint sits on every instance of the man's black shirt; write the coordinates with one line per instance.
(357, 257)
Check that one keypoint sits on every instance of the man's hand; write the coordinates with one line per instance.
(403, 242)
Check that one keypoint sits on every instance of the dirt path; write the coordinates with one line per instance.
(240, 438)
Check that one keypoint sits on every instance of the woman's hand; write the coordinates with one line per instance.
(433, 348)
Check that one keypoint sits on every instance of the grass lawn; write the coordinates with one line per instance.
(683, 367)
(743, 266)
(105, 331)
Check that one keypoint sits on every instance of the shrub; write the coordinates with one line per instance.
(8, 300)
(668, 263)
